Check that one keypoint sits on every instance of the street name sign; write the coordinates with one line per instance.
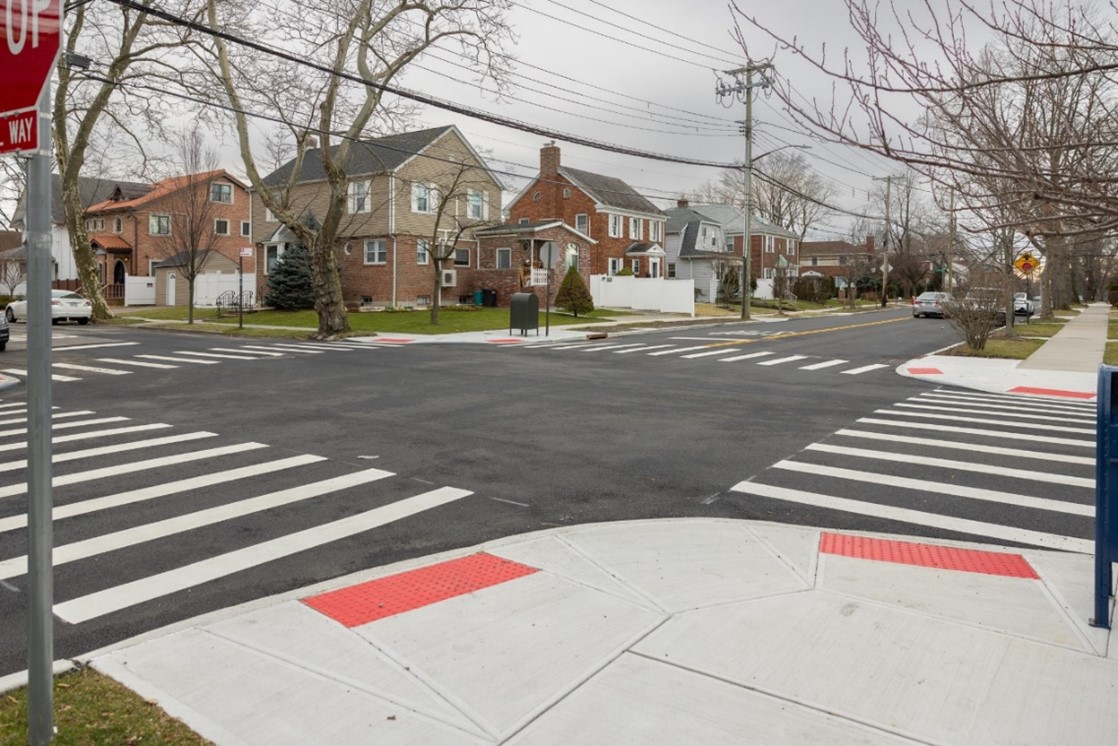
(32, 35)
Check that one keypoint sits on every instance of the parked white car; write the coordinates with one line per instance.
(65, 305)
(1023, 305)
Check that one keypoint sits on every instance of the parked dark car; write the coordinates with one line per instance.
(930, 304)
(4, 332)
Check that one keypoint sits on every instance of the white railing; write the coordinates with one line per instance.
(539, 277)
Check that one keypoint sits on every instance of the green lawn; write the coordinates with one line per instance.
(93, 709)
(1110, 357)
(451, 320)
(1038, 328)
(1017, 348)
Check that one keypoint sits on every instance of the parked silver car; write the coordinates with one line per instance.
(930, 304)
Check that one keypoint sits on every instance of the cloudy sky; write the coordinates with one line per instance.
(642, 74)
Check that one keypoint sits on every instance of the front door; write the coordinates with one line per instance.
(654, 267)
(170, 289)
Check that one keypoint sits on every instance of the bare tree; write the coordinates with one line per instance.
(357, 47)
(461, 208)
(13, 179)
(121, 96)
(189, 241)
(13, 271)
(1026, 124)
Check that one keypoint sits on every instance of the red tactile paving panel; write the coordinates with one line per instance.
(925, 371)
(1052, 392)
(393, 340)
(927, 555)
(395, 594)
(505, 341)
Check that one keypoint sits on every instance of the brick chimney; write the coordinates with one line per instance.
(681, 202)
(869, 243)
(549, 160)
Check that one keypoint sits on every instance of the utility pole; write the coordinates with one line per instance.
(742, 89)
(885, 242)
(948, 274)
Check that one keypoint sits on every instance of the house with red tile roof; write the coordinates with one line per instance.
(133, 229)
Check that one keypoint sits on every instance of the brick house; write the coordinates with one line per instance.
(136, 227)
(841, 260)
(627, 229)
(396, 185)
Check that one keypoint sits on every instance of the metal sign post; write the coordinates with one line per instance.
(32, 30)
(245, 251)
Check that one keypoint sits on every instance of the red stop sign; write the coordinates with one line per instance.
(27, 54)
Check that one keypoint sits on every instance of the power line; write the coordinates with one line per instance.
(412, 95)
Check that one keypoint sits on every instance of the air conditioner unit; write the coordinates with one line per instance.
(449, 278)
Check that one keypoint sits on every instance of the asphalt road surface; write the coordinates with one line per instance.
(194, 472)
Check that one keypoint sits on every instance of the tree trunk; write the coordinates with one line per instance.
(84, 258)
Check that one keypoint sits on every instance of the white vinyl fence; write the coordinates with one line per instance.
(209, 285)
(139, 291)
(644, 293)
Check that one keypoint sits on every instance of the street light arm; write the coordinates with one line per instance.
(777, 150)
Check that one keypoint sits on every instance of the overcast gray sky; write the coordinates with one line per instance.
(642, 74)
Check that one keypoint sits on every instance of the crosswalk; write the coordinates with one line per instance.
(168, 489)
(118, 365)
(998, 467)
(715, 351)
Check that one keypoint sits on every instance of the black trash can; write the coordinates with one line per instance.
(524, 313)
(489, 297)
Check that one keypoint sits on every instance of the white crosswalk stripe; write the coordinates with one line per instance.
(137, 363)
(242, 351)
(931, 469)
(179, 359)
(92, 369)
(54, 376)
(717, 351)
(330, 501)
(285, 348)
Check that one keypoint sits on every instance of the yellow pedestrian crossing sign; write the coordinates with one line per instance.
(1026, 263)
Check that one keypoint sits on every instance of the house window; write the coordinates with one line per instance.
(791, 247)
(423, 197)
(221, 193)
(376, 251)
(423, 301)
(636, 265)
(95, 224)
(572, 257)
(477, 205)
(523, 221)
(582, 224)
(536, 197)
(815, 261)
(246, 228)
(221, 227)
(272, 254)
(357, 197)
(768, 244)
(422, 252)
(615, 226)
(656, 230)
(504, 258)
(566, 192)
(636, 228)
(671, 270)
(461, 257)
(118, 225)
(614, 266)
(159, 225)
(768, 273)
(268, 216)
(842, 259)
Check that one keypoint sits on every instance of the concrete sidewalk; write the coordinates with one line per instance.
(1064, 366)
(696, 631)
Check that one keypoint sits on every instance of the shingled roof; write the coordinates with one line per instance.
(609, 191)
(380, 155)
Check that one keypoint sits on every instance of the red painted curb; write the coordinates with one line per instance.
(927, 555)
(405, 591)
(925, 371)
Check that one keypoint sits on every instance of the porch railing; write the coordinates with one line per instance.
(539, 277)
